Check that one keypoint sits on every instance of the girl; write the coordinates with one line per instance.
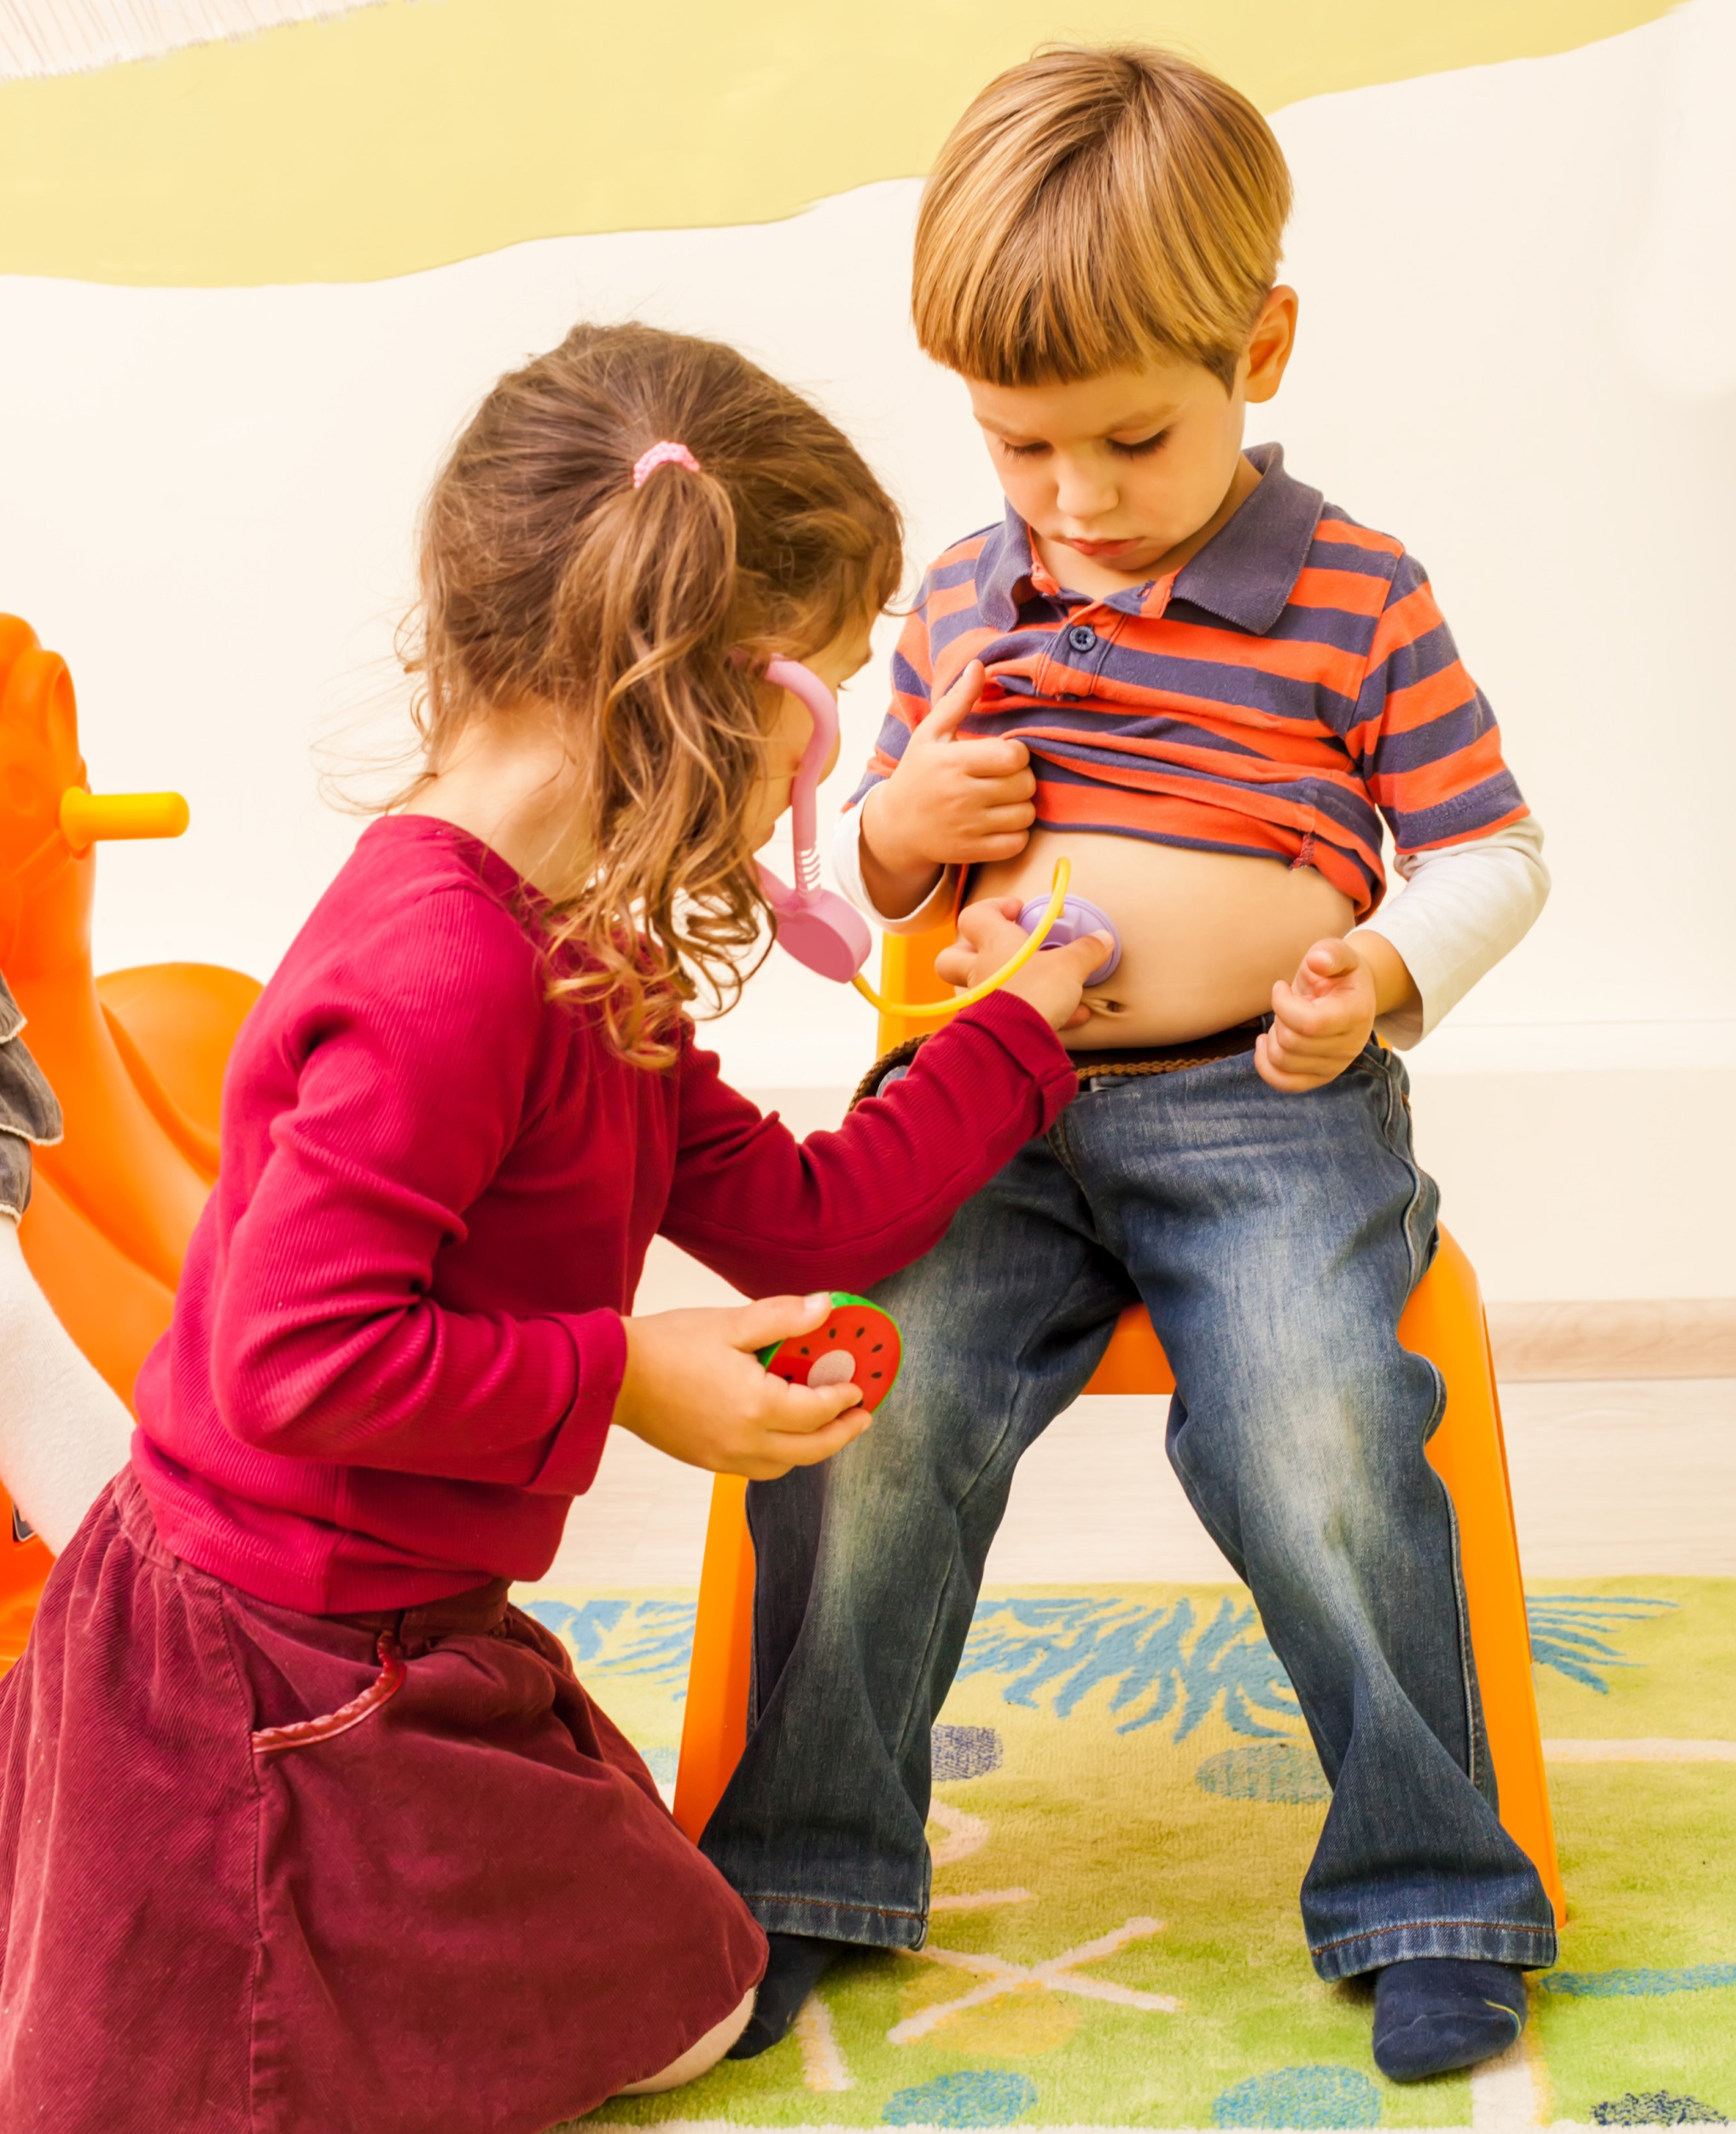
(302, 1825)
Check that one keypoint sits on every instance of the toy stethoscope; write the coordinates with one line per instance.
(827, 935)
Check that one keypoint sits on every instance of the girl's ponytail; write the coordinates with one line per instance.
(646, 616)
(571, 557)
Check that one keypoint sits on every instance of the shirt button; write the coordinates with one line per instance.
(1082, 637)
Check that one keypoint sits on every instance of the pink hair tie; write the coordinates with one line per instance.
(665, 454)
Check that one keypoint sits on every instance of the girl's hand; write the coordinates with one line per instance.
(694, 1389)
(950, 803)
(1053, 981)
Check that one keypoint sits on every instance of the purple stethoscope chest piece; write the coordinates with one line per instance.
(1079, 917)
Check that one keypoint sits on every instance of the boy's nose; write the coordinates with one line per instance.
(1083, 499)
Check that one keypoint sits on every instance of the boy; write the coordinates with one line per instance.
(1174, 664)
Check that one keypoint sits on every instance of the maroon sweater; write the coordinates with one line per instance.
(397, 1343)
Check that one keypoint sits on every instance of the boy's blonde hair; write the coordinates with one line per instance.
(1096, 209)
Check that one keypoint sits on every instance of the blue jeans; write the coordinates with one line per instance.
(1274, 1240)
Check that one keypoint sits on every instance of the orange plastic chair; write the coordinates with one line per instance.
(1444, 1321)
(136, 1058)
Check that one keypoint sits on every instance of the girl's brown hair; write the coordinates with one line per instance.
(1095, 208)
(642, 616)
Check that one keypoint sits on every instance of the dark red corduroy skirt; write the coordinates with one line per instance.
(467, 1910)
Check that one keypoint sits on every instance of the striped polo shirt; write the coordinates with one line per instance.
(1278, 695)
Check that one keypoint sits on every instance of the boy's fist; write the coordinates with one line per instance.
(949, 803)
(1321, 1021)
(989, 935)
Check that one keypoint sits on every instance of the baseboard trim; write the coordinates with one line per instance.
(1676, 1337)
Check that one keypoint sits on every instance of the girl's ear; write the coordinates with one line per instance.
(1270, 344)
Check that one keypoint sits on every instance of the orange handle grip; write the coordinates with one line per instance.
(85, 817)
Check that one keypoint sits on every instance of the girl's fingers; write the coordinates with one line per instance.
(770, 1318)
(980, 918)
(789, 1449)
(802, 1410)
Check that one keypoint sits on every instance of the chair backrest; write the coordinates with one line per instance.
(907, 973)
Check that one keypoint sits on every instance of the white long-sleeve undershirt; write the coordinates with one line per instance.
(62, 1432)
(1463, 907)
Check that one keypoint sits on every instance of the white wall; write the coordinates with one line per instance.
(1510, 357)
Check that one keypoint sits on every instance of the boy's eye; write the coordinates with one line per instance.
(1023, 451)
(1137, 449)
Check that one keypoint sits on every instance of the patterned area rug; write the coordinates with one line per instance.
(1125, 1801)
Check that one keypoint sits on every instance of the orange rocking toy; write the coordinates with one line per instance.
(136, 1058)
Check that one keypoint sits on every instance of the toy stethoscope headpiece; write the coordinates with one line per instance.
(827, 935)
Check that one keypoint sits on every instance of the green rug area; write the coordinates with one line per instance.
(1125, 1803)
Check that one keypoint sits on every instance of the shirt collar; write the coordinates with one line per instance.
(1245, 574)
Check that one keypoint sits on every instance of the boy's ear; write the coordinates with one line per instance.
(1270, 344)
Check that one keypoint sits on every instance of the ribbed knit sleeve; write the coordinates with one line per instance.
(412, 1076)
(841, 1211)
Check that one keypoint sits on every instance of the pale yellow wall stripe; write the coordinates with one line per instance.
(427, 130)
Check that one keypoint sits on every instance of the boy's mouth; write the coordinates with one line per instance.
(1108, 551)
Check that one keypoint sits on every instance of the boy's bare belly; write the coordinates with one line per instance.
(1204, 934)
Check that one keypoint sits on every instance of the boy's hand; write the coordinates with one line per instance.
(1322, 1021)
(989, 935)
(950, 803)
(694, 1389)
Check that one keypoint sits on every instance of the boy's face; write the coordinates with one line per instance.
(1115, 475)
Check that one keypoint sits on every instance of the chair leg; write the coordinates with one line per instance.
(714, 1729)
(1444, 1321)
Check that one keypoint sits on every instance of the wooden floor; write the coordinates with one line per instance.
(1609, 1481)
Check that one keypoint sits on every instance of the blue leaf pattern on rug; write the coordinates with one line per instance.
(1300, 2096)
(1565, 1627)
(1287, 1771)
(988, 2096)
(1161, 1663)
(1603, 1985)
(654, 1638)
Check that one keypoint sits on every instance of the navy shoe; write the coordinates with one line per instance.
(1438, 2013)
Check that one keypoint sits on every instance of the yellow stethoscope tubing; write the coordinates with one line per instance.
(911, 1009)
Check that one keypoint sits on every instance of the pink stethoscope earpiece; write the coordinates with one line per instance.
(815, 923)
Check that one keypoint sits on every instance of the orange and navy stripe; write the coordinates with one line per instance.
(1291, 685)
